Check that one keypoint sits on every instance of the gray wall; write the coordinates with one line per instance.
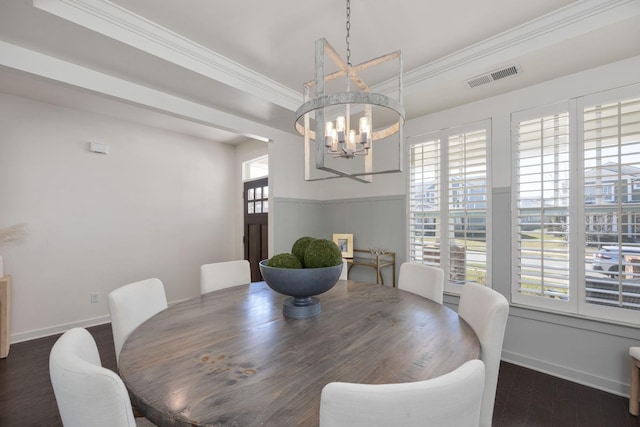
(374, 222)
(586, 351)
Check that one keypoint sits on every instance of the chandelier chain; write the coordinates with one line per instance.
(348, 32)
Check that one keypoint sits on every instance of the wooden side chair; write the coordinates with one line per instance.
(344, 274)
(634, 394)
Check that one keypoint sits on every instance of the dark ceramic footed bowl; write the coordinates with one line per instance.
(300, 282)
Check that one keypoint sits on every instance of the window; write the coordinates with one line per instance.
(254, 173)
(257, 195)
(255, 168)
(541, 197)
(448, 205)
(576, 216)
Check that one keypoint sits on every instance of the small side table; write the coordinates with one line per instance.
(632, 266)
(5, 315)
(378, 261)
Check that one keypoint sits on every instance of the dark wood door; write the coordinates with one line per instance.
(256, 208)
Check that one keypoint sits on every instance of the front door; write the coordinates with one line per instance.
(256, 208)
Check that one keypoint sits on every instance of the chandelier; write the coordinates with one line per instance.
(340, 124)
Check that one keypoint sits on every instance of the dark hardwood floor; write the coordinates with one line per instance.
(524, 397)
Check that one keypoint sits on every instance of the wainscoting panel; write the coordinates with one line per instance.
(374, 223)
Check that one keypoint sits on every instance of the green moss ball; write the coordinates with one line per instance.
(322, 253)
(284, 261)
(300, 246)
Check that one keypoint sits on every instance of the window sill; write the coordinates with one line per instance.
(609, 327)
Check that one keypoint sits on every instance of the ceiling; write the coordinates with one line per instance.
(233, 70)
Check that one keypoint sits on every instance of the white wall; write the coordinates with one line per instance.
(150, 208)
(286, 169)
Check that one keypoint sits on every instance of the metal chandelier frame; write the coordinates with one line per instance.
(361, 99)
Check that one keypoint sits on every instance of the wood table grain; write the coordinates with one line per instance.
(230, 358)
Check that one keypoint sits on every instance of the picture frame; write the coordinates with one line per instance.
(345, 243)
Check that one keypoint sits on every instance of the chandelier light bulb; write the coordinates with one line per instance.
(364, 130)
(340, 128)
(334, 142)
(364, 124)
(329, 131)
(351, 143)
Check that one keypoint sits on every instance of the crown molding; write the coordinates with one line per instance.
(48, 67)
(570, 21)
(120, 24)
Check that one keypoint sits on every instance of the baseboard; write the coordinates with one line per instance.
(58, 329)
(569, 374)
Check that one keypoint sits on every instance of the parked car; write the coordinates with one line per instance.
(608, 257)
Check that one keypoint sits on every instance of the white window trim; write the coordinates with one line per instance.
(443, 135)
(246, 168)
(593, 310)
(577, 304)
(516, 296)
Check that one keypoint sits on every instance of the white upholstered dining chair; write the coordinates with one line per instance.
(486, 311)
(220, 275)
(451, 400)
(423, 280)
(132, 304)
(86, 393)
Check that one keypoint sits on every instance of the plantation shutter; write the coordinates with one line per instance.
(612, 203)
(424, 201)
(541, 194)
(449, 203)
(467, 195)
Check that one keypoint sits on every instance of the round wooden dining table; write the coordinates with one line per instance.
(230, 357)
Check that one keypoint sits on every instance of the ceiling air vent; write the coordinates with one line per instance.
(494, 75)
